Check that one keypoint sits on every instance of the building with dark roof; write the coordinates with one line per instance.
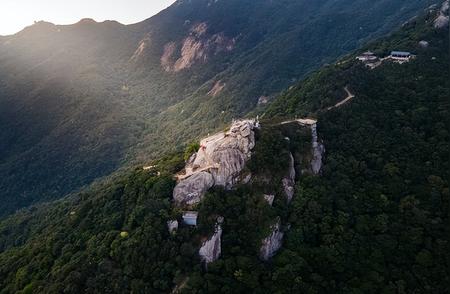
(401, 55)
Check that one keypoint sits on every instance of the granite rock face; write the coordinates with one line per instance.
(289, 180)
(318, 150)
(190, 190)
(212, 248)
(442, 21)
(197, 47)
(218, 162)
(172, 225)
(272, 243)
(269, 198)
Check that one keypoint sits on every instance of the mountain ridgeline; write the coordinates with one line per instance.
(373, 218)
(77, 102)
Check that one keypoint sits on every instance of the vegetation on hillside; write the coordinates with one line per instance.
(375, 220)
(77, 103)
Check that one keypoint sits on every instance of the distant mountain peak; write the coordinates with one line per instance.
(87, 21)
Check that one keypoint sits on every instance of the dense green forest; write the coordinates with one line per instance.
(375, 221)
(78, 102)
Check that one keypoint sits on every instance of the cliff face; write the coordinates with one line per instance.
(289, 180)
(191, 190)
(218, 162)
(197, 47)
(211, 249)
(442, 19)
(272, 243)
(318, 150)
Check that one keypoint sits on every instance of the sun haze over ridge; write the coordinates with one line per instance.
(17, 14)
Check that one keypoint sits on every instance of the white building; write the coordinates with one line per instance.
(190, 218)
(367, 57)
(401, 56)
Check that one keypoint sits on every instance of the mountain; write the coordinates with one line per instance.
(369, 212)
(77, 102)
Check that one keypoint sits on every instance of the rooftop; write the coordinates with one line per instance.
(400, 53)
(190, 214)
(190, 218)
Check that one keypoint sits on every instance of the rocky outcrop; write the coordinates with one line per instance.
(269, 198)
(424, 44)
(272, 243)
(442, 21)
(318, 150)
(172, 225)
(190, 190)
(289, 180)
(167, 58)
(212, 248)
(216, 89)
(218, 162)
(263, 100)
(198, 46)
(141, 50)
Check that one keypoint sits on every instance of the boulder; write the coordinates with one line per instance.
(191, 190)
(424, 44)
(172, 225)
(219, 162)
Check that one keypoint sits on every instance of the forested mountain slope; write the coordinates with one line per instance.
(375, 220)
(77, 102)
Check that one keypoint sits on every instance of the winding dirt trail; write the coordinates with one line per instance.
(317, 147)
(302, 121)
(349, 97)
(310, 122)
(190, 171)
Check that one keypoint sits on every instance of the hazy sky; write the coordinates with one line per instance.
(17, 14)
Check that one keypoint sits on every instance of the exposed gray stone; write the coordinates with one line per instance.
(272, 243)
(442, 21)
(318, 151)
(424, 44)
(219, 161)
(172, 225)
(191, 190)
(269, 198)
(232, 161)
(212, 248)
(289, 180)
